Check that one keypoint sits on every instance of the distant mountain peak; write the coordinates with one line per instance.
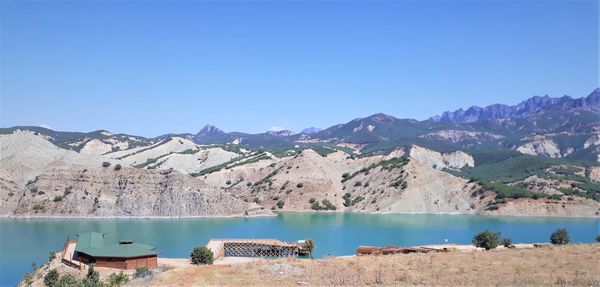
(281, 133)
(382, 118)
(210, 130)
(523, 109)
(310, 130)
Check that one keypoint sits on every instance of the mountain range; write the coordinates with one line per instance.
(539, 157)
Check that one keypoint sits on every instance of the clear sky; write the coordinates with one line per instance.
(151, 67)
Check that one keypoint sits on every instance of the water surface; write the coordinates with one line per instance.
(23, 241)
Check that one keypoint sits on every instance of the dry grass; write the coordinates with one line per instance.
(573, 265)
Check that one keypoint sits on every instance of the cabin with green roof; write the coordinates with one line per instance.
(125, 254)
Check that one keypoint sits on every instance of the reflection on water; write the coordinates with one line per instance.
(28, 240)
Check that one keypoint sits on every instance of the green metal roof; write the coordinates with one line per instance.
(92, 243)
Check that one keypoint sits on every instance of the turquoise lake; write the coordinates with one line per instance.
(23, 241)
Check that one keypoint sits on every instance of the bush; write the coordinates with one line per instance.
(105, 164)
(141, 272)
(228, 182)
(309, 245)
(92, 279)
(66, 280)
(201, 255)
(560, 237)
(507, 242)
(51, 278)
(312, 200)
(315, 206)
(486, 239)
(300, 185)
(598, 238)
(57, 198)
(280, 204)
(118, 166)
(51, 255)
(118, 279)
(345, 175)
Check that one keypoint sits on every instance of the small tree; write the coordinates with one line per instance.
(309, 245)
(105, 164)
(312, 200)
(280, 204)
(51, 255)
(92, 278)
(201, 255)
(560, 237)
(300, 185)
(66, 280)
(507, 242)
(141, 272)
(117, 279)
(51, 278)
(486, 239)
(118, 166)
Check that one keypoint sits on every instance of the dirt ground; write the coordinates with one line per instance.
(572, 265)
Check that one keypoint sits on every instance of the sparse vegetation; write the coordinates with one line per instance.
(51, 278)
(117, 279)
(560, 237)
(141, 272)
(201, 256)
(507, 242)
(487, 239)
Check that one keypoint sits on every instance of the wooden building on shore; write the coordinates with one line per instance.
(90, 248)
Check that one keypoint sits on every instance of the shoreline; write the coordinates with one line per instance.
(275, 213)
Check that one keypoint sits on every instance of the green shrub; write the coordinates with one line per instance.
(117, 279)
(141, 272)
(507, 242)
(327, 205)
(118, 166)
(486, 239)
(309, 245)
(10, 194)
(38, 207)
(105, 164)
(228, 182)
(598, 238)
(560, 237)
(66, 280)
(51, 255)
(345, 175)
(58, 198)
(300, 185)
(312, 200)
(280, 204)
(201, 255)
(92, 278)
(315, 206)
(51, 278)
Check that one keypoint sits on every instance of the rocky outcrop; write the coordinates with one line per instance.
(68, 190)
(456, 136)
(452, 160)
(592, 141)
(543, 147)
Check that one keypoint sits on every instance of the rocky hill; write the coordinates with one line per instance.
(540, 157)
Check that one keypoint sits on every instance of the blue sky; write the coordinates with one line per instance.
(149, 68)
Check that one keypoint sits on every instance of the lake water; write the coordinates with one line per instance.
(24, 241)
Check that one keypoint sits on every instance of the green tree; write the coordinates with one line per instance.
(560, 237)
(486, 239)
(117, 279)
(280, 204)
(141, 272)
(66, 280)
(507, 242)
(118, 166)
(309, 245)
(201, 255)
(92, 278)
(51, 278)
